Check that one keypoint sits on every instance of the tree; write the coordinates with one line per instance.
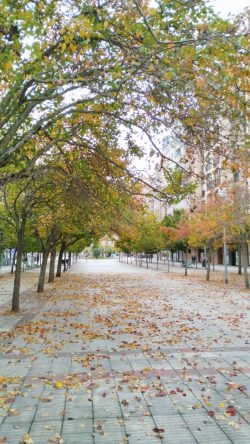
(169, 227)
(113, 66)
(19, 202)
(238, 203)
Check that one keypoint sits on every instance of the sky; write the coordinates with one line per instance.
(224, 7)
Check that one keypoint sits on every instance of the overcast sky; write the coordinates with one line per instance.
(227, 6)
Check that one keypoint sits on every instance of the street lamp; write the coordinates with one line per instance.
(222, 193)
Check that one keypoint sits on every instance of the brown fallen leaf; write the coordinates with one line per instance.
(26, 439)
(56, 438)
(124, 402)
(13, 412)
(230, 411)
(3, 439)
(161, 393)
(158, 430)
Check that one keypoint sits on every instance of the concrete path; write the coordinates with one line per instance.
(117, 354)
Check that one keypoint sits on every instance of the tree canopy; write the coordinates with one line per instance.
(80, 72)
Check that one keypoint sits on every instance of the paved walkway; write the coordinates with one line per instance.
(116, 354)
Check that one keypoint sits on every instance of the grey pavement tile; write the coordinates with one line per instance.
(141, 431)
(206, 429)
(238, 431)
(14, 432)
(208, 367)
(80, 438)
(175, 429)
(40, 432)
(163, 405)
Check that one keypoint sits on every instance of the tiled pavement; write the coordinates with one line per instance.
(122, 355)
(28, 295)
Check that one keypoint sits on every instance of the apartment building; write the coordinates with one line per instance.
(211, 173)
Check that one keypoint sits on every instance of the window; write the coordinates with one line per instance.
(216, 159)
(208, 164)
(209, 182)
(177, 153)
(236, 176)
(217, 176)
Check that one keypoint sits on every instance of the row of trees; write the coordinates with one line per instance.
(80, 80)
(223, 221)
(220, 222)
(67, 208)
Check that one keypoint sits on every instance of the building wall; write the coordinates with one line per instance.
(211, 167)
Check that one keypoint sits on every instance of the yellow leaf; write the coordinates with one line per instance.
(40, 6)
(8, 65)
(73, 47)
(58, 385)
(56, 438)
(64, 46)
(221, 404)
(26, 439)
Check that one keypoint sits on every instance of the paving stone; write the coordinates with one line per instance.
(168, 380)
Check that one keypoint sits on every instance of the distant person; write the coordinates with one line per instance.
(193, 259)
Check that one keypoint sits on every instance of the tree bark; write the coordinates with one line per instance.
(52, 265)
(13, 262)
(17, 279)
(245, 264)
(41, 281)
(239, 259)
(65, 263)
(59, 263)
(70, 259)
(208, 264)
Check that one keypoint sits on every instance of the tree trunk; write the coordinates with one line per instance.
(13, 262)
(65, 263)
(59, 263)
(239, 259)
(52, 265)
(245, 264)
(17, 280)
(186, 257)
(208, 263)
(41, 281)
(70, 259)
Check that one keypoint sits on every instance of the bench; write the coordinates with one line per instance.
(27, 265)
(189, 264)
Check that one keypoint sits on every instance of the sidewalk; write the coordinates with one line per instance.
(5, 269)
(124, 355)
(198, 274)
(29, 298)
